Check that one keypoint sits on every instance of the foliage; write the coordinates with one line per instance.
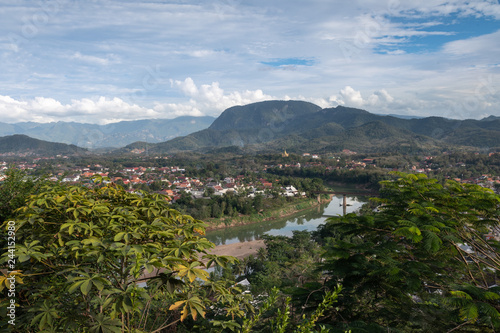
(285, 262)
(105, 260)
(283, 320)
(464, 165)
(14, 190)
(413, 264)
(355, 176)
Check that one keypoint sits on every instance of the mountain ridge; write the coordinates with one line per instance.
(293, 125)
(298, 125)
(113, 135)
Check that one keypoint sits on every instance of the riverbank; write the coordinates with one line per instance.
(238, 250)
(284, 211)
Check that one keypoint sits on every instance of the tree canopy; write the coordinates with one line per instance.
(420, 262)
(102, 259)
(105, 260)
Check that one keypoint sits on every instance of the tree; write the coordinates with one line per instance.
(285, 262)
(420, 263)
(258, 202)
(84, 256)
(14, 190)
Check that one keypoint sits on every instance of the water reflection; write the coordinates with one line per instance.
(308, 220)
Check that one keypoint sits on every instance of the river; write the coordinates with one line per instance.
(306, 220)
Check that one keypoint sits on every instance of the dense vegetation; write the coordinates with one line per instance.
(82, 253)
(104, 260)
(419, 262)
(368, 176)
(462, 165)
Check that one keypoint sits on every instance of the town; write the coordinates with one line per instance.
(164, 174)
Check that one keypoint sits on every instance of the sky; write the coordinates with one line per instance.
(103, 61)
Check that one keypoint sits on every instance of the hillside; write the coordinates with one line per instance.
(19, 144)
(269, 114)
(374, 136)
(299, 126)
(114, 135)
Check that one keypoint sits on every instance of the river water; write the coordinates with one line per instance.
(306, 220)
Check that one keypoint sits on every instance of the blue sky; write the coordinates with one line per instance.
(101, 61)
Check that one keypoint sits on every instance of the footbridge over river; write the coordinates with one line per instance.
(345, 194)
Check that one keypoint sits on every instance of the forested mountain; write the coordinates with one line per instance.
(111, 135)
(298, 126)
(263, 114)
(24, 144)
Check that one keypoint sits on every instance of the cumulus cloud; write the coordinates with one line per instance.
(211, 98)
(13, 110)
(100, 110)
(384, 96)
(348, 96)
(363, 46)
(207, 99)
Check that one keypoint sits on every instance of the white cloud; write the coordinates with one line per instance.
(187, 86)
(384, 96)
(47, 106)
(433, 8)
(211, 98)
(12, 110)
(204, 100)
(478, 46)
(100, 110)
(348, 96)
(351, 97)
(110, 58)
(88, 60)
(200, 53)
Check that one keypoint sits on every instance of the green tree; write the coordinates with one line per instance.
(84, 255)
(14, 191)
(285, 262)
(258, 202)
(409, 266)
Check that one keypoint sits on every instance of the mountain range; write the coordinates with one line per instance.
(112, 135)
(302, 126)
(296, 126)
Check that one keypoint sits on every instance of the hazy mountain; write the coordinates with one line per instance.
(19, 143)
(111, 135)
(299, 126)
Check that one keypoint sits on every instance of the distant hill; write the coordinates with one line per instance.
(114, 135)
(24, 144)
(299, 126)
